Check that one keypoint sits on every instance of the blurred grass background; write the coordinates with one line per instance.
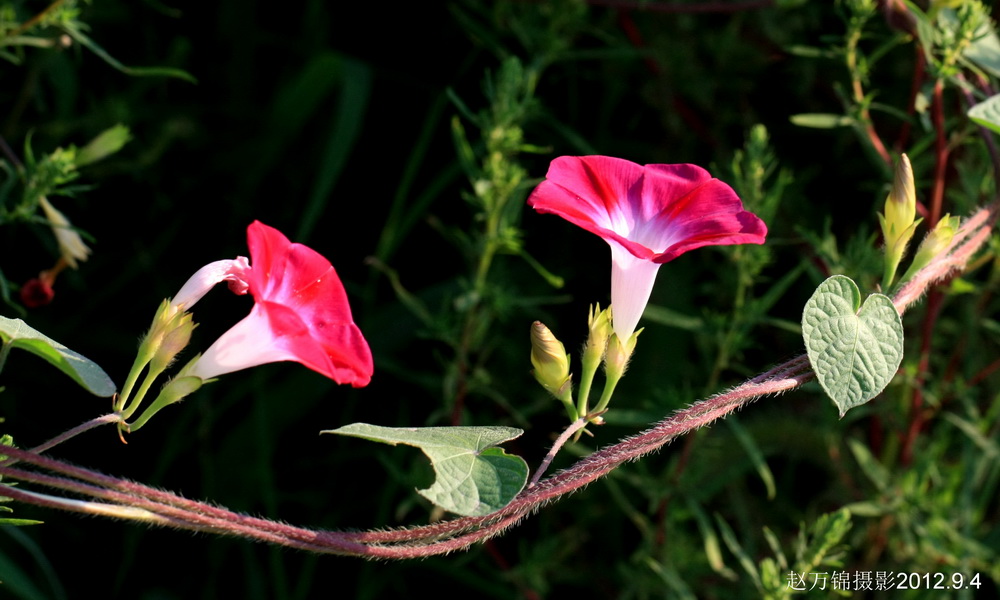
(367, 131)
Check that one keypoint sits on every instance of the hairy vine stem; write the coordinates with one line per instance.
(123, 499)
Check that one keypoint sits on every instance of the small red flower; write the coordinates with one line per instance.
(648, 214)
(300, 312)
(37, 292)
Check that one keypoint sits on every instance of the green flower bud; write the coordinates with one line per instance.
(901, 205)
(615, 362)
(106, 143)
(175, 337)
(165, 320)
(71, 245)
(599, 324)
(935, 242)
(898, 219)
(618, 355)
(548, 356)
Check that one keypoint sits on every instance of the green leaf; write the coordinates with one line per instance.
(710, 542)
(987, 113)
(19, 522)
(74, 32)
(854, 353)
(821, 120)
(737, 549)
(356, 81)
(16, 333)
(984, 50)
(105, 144)
(755, 455)
(876, 471)
(986, 444)
(473, 477)
(825, 534)
(15, 556)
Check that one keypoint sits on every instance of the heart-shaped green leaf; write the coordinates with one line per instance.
(987, 113)
(853, 353)
(474, 478)
(17, 334)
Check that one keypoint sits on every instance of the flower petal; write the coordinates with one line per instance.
(593, 192)
(301, 313)
(274, 333)
(649, 215)
(656, 212)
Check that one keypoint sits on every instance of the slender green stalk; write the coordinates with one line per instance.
(4, 351)
(586, 381)
(137, 367)
(609, 389)
(147, 382)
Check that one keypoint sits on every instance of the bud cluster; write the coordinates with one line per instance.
(899, 223)
(552, 364)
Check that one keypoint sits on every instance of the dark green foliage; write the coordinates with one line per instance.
(401, 141)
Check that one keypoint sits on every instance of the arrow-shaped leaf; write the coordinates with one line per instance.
(473, 476)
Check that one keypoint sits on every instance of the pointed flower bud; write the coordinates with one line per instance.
(901, 205)
(106, 143)
(71, 245)
(618, 355)
(164, 321)
(548, 356)
(599, 323)
(898, 219)
(935, 242)
(175, 338)
(167, 336)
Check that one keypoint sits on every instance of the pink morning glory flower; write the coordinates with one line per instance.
(648, 214)
(300, 312)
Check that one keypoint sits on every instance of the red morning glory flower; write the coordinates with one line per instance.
(38, 291)
(648, 214)
(300, 312)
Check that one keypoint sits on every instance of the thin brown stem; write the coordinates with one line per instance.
(35, 20)
(82, 428)
(940, 155)
(575, 426)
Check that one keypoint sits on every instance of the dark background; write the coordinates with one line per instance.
(308, 116)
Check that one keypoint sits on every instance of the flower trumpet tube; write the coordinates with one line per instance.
(649, 215)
